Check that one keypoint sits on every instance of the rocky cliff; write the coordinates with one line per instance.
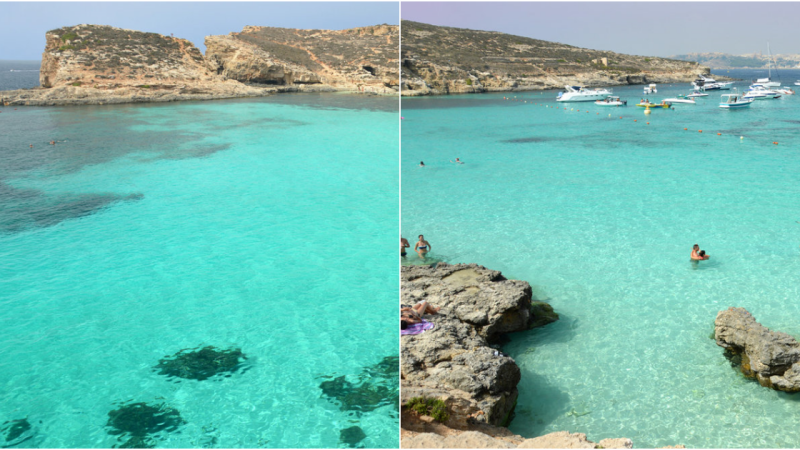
(444, 60)
(98, 64)
(771, 357)
(359, 59)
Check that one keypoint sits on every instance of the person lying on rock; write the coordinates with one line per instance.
(413, 314)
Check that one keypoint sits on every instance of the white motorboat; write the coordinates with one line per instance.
(696, 94)
(797, 83)
(733, 101)
(703, 83)
(786, 90)
(725, 86)
(651, 89)
(582, 94)
(759, 92)
(611, 101)
(681, 99)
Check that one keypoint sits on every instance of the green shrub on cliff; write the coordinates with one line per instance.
(68, 37)
(66, 47)
(429, 407)
(469, 81)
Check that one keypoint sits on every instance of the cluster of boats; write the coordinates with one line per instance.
(734, 100)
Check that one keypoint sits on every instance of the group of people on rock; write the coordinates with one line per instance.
(422, 246)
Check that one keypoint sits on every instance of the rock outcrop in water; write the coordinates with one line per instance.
(201, 364)
(444, 60)
(454, 361)
(98, 64)
(771, 357)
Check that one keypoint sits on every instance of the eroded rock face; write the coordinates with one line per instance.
(359, 59)
(453, 361)
(104, 57)
(445, 60)
(772, 357)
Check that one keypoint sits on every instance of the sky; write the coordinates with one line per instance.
(638, 28)
(24, 24)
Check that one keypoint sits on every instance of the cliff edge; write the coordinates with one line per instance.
(443, 60)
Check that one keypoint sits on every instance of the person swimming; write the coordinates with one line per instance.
(457, 161)
(422, 164)
(422, 247)
(403, 246)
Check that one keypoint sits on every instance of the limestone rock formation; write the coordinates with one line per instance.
(359, 59)
(98, 64)
(772, 357)
(453, 361)
(444, 60)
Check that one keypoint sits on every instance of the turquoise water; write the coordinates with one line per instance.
(599, 214)
(264, 225)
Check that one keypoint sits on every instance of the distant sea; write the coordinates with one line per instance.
(19, 74)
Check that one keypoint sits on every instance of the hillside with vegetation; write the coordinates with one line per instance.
(442, 60)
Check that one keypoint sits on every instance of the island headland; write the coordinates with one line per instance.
(99, 64)
(459, 366)
(444, 60)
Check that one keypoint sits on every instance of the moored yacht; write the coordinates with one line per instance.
(582, 94)
(759, 92)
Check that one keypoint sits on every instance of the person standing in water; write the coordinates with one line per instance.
(403, 246)
(697, 254)
(422, 247)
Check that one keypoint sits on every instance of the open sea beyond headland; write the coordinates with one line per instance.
(599, 214)
(200, 274)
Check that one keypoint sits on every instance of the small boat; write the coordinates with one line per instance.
(797, 83)
(651, 89)
(680, 99)
(696, 94)
(611, 101)
(647, 104)
(785, 90)
(733, 101)
(725, 86)
(582, 94)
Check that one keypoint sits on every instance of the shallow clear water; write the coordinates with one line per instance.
(599, 214)
(267, 225)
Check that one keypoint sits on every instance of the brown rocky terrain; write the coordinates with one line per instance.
(444, 60)
(359, 59)
(771, 357)
(98, 64)
(455, 363)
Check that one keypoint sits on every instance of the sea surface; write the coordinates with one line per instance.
(18, 74)
(599, 210)
(200, 274)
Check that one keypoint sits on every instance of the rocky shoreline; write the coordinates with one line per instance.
(458, 361)
(98, 65)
